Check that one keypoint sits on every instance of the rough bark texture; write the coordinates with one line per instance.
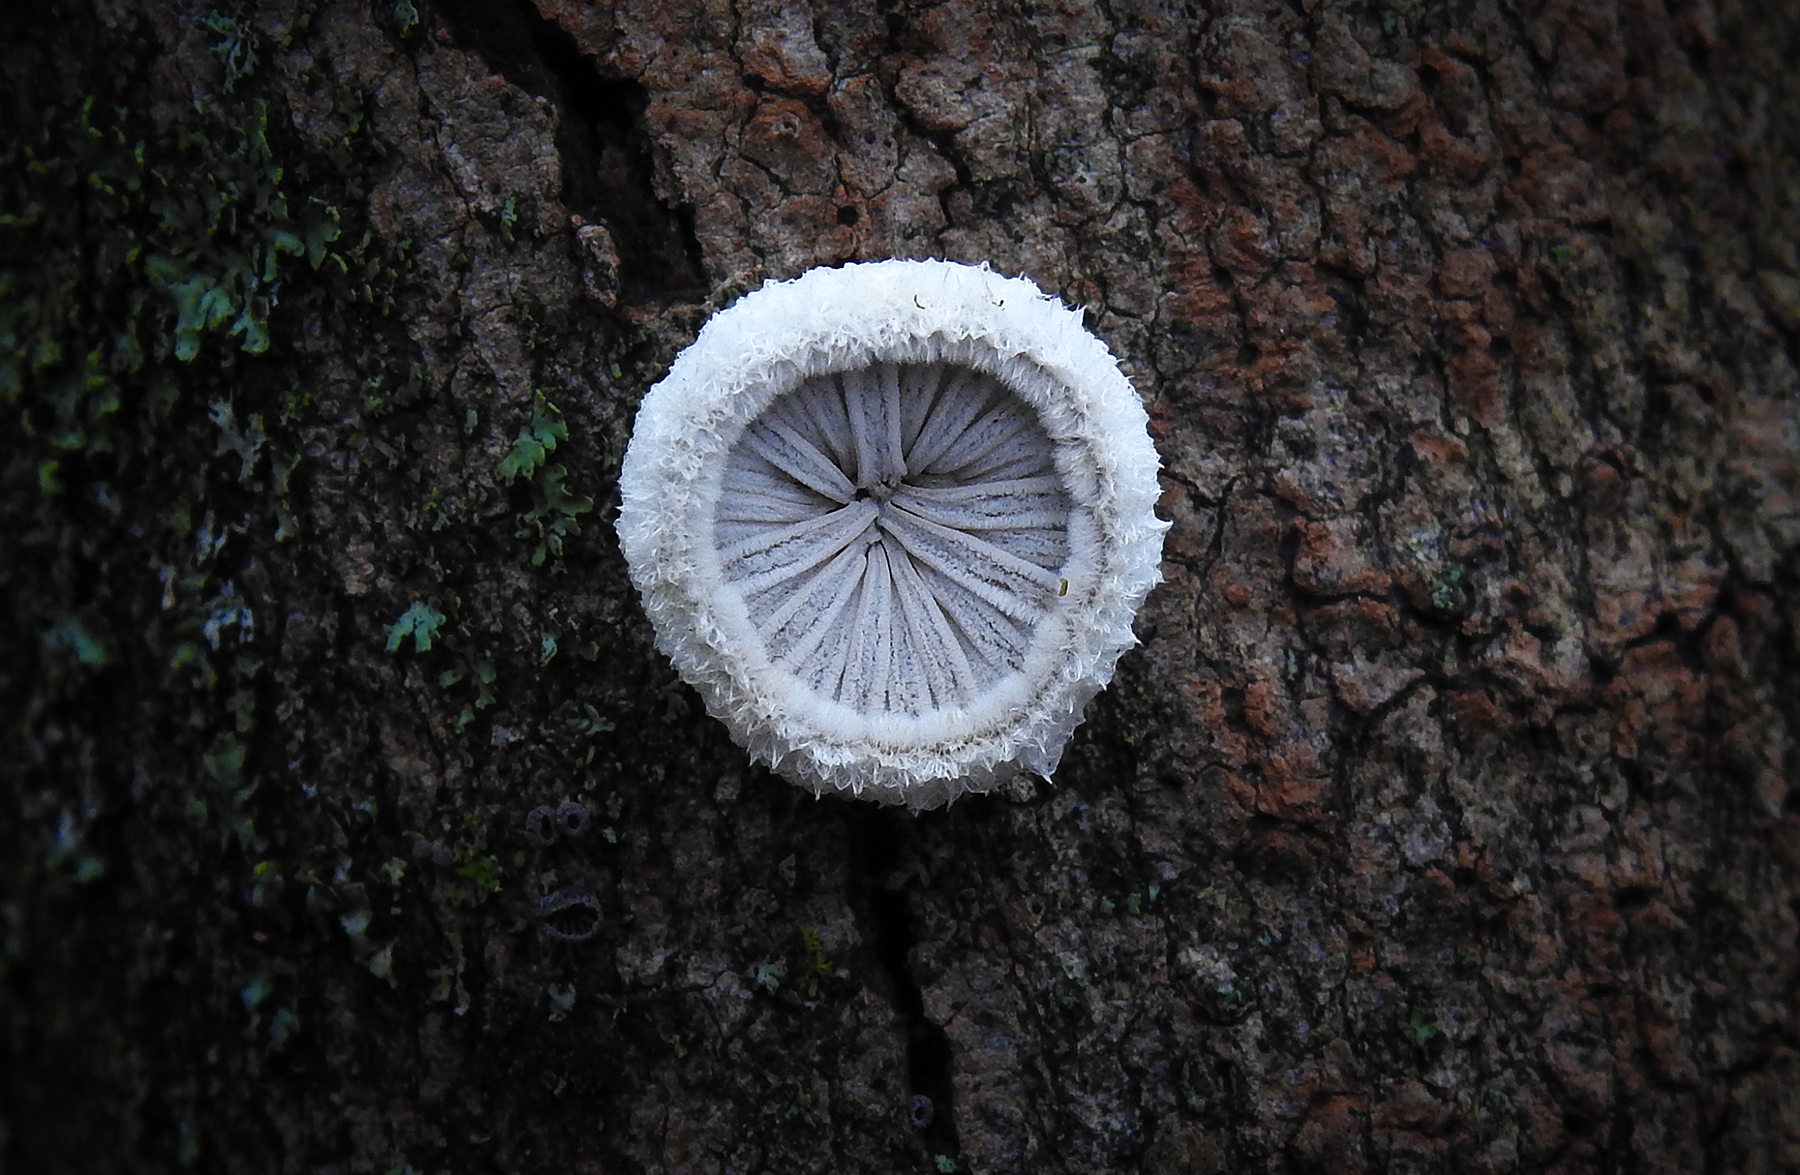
(1447, 819)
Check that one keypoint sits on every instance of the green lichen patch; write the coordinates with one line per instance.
(419, 623)
(552, 517)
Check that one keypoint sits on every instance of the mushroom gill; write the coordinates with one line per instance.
(896, 533)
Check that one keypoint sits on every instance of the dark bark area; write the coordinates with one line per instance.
(1447, 819)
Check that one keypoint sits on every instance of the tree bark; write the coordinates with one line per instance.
(1446, 819)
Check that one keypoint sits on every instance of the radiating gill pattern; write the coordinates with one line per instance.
(897, 534)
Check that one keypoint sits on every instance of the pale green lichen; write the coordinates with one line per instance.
(553, 515)
(420, 622)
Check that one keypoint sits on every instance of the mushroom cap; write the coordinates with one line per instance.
(893, 521)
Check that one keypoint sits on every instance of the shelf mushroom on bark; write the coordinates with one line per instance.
(892, 521)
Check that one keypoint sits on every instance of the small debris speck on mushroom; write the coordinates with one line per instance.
(893, 521)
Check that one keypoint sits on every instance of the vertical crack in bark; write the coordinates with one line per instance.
(876, 843)
(607, 166)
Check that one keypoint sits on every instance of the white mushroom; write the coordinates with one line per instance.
(893, 521)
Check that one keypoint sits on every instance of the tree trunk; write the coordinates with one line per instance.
(1446, 820)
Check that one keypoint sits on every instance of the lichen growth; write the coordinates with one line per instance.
(419, 623)
(552, 517)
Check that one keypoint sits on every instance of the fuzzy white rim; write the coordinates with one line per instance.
(838, 320)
